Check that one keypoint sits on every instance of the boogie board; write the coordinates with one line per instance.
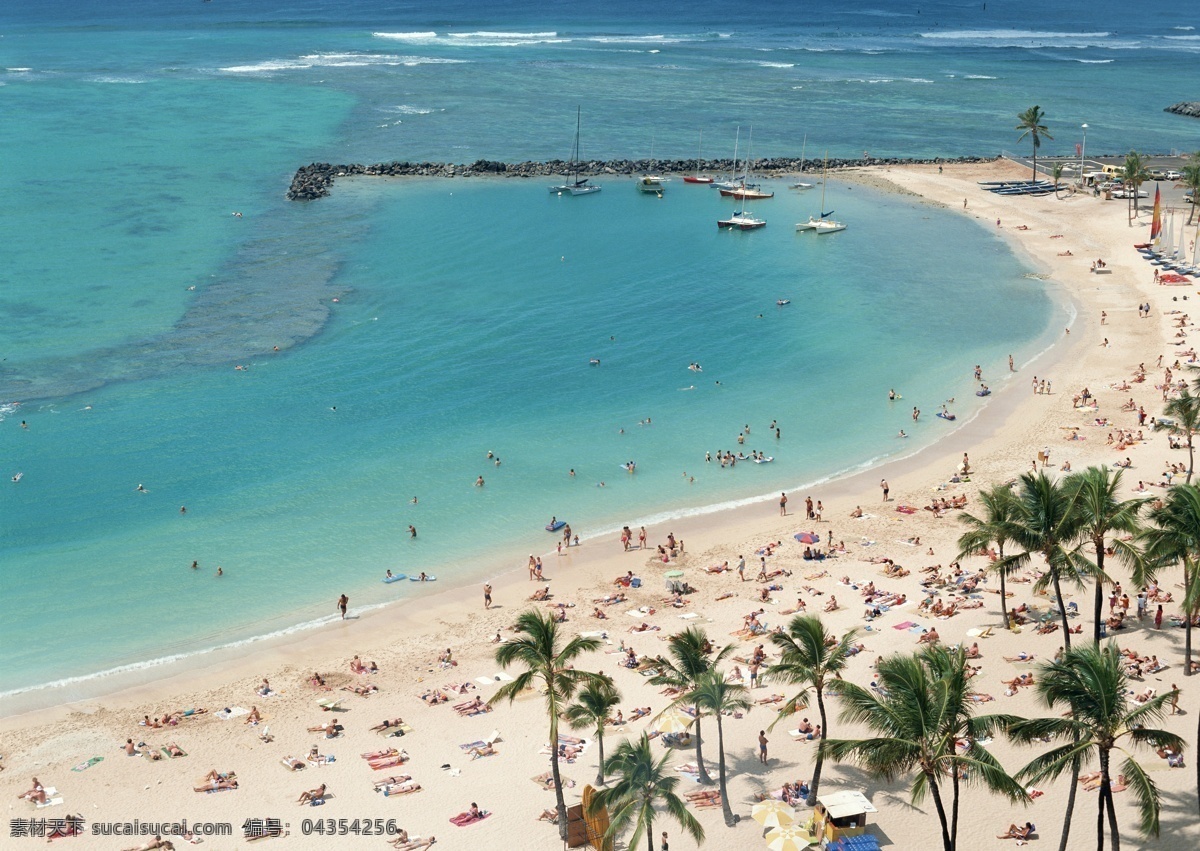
(556, 525)
(983, 392)
(946, 416)
(418, 579)
(395, 577)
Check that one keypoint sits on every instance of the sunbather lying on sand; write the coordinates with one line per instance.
(156, 842)
(434, 697)
(643, 627)
(173, 750)
(416, 844)
(486, 750)
(1017, 832)
(362, 691)
(387, 725)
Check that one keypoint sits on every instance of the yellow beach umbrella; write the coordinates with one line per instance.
(788, 838)
(773, 813)
(673, 721)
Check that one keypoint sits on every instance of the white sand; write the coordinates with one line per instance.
(405, 640)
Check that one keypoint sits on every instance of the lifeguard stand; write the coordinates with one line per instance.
(842, 816)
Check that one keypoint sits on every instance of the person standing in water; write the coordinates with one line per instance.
(342, 603)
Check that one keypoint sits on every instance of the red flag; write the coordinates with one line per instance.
(1156, 223)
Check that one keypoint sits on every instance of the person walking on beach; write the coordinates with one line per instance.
(1158, 618)
(762, 746)
(783, 505)
(883, 486)
(741, 568)
(808, 507)
(1010, 364)
(487, 596)
(342, 602)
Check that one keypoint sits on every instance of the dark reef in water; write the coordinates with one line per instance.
(1187, 107)
(314, 180)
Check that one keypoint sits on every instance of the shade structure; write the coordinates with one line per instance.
(673, 721)
(673, 574)
(788, 838)
(808, 538)
(773, 813)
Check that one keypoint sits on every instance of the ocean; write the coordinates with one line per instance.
(423, 324)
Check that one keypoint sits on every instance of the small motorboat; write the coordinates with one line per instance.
(594, 361)
(696, 178)
(652, 184)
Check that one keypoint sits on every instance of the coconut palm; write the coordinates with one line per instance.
(536, 648)
(719, 696)
(689, 660)
(1186, 410)
(1030, 123)
(1091, 682)
(923, 707)
(999, 513)
(810, 657)
(591, 710)
(1056, 173)
(1094, 492)
(1191, 179)
(1175, 539)
(1048, 524)
(642, 785)
(1133, 175)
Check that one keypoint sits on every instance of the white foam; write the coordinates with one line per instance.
(776, 64)
(416, 36)
(405, 109)
(131, 81)
(1177, 37)
(337, 60)
(1092, 61)
(475, 39)
(176, 657)
(1183, 28)
(18, 70)
(979, 77)
(980, 35)
(507, 36)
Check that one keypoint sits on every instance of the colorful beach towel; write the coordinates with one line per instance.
(464, 819)
(904, 625)
(84, 766)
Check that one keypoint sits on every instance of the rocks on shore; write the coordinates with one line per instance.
(1187, 107)
(314, 180)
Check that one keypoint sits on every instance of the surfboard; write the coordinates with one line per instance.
(418, 579)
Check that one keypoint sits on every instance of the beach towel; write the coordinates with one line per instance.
(233, 712)
(905, 625)
(169, 755)
(84, 766)
(688, 616)
(51, 800)
(464, 819)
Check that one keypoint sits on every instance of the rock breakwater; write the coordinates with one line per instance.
(314, 180)
(1187, 107)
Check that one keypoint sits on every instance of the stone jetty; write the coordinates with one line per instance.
(315, 180)
(1187, 107)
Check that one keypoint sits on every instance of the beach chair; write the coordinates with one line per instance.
(329, 704)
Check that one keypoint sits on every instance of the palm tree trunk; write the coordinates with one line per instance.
(600, 746)
(703, 773)
(816, 779)
(1198, 763)
(1188, 578)
(1106, 800)
(1066, 831)
(954, 807)
(1062, 609)
(726, 810)
(650, 835)
(1100, 803)
(1003, 592)
(947, 845)
(1098, 610)
(1191, 457)
(560, 805)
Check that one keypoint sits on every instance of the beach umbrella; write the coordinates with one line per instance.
(674, 722)
(773, 813)
(788, 838)
(808, 538)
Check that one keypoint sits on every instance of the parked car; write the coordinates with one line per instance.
(1129, 193)
(1172, 174)
(1156, 174)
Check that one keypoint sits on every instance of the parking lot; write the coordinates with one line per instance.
(1172, 190)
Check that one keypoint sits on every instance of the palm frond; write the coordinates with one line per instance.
(1145, 792)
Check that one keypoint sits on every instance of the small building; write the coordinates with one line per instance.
(842, 816)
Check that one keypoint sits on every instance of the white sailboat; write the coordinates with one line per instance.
(732, 182)
(824, 224)
(742, 190)
(652, 184)
(799, 184)
(575, 186)
(698, 177)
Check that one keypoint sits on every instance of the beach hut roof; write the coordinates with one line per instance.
(844, 804)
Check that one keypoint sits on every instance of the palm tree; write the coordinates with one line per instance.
(1031, 125)
(1186, 410)
(643, 784)
(1094, 492)
(999, 513)
(810, 655)
(1056, 173)
(1175, 538)
(719, 696)
(923, 707)
(1191, 179)
(591, 710)
(1049, 524)
(689, 651)
(1133, 174)
(536, 648)
(1091, 681)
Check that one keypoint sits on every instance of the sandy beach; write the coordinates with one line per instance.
(1059, 238)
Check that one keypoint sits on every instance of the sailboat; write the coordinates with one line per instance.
(732, 182)
(801, 184)
(575, 186)
(698, 178)
(824, 224)
(747, 191)
(651, 183)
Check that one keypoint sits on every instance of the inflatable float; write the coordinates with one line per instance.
(396, 577)
(556, 525)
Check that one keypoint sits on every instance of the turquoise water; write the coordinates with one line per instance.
(466, 312)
